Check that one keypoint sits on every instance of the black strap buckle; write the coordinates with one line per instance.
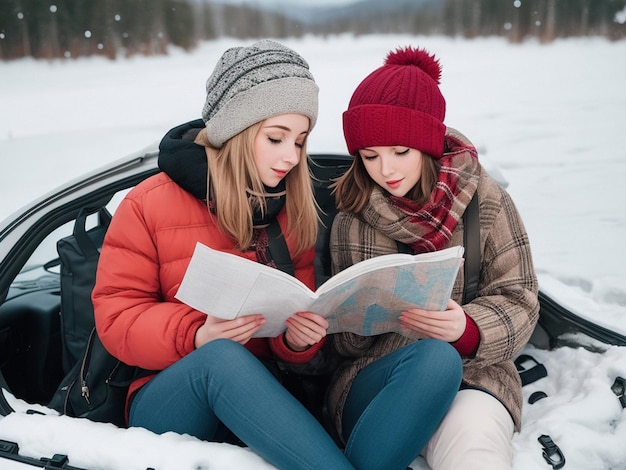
(536, 396)
(551, 452)
(619, 389)
(536, 372)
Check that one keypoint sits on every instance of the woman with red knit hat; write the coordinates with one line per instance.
(410, 183)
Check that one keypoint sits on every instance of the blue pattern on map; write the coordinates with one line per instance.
(373, 314)
(405, 281)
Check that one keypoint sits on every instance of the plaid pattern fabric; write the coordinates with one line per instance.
(506, 308)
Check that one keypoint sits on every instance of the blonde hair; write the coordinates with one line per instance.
(233, 180)
(352, 191)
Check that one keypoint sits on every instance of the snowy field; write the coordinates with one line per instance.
(548, 118)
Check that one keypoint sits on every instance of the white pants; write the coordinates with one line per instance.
(475, 434)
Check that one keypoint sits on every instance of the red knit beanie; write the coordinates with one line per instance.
(398, 104)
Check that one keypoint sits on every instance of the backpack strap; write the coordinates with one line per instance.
(471, 242)
(529, 374)
(85, 243)
(277, 247)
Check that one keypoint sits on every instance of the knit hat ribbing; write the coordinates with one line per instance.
(398, 104)
(251, 84)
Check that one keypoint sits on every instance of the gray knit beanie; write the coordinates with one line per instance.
(251, 84)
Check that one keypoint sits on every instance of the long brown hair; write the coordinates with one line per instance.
(232, 177)
(354, 188)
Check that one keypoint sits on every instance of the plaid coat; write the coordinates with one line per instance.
(506, 308)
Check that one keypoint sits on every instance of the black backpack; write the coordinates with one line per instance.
(78, 258)
(96, 383)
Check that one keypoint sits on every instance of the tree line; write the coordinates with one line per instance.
(50, 29)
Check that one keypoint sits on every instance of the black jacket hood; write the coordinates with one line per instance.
(183, 160)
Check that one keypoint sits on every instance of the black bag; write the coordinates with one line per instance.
(78, 255)
(96, 383)
(96, 387)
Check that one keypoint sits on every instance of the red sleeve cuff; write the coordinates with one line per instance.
(468, 343)
(283, 352)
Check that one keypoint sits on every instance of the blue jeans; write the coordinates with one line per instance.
(222, 382)
(396, 403)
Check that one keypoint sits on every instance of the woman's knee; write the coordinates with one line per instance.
(227, 357)
(220, 363)
(476, 433)
(219, 347)
(438, 358)
(221, 353)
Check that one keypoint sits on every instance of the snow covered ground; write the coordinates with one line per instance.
(549, 118)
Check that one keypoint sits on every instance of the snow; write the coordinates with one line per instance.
(547, 118)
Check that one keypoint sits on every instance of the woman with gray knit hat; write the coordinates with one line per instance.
(225, 180)
(410, 183)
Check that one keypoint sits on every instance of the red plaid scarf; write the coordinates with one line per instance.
(429, 227)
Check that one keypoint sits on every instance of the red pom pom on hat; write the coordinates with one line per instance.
(418, 57)
(398, 104)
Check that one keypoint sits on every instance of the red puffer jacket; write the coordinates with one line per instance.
(144, 257)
